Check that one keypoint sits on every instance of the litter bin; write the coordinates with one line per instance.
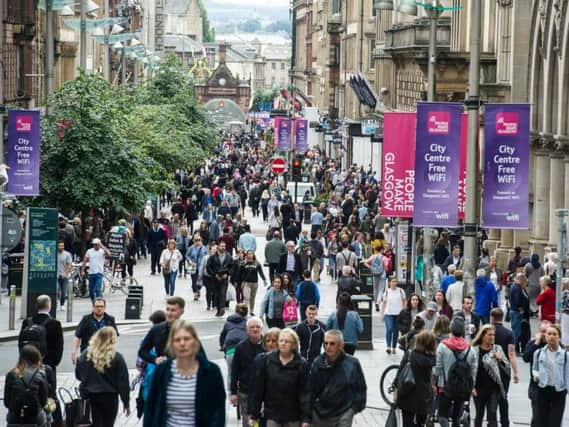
(367, 281)
(363, 305)
(16, 271)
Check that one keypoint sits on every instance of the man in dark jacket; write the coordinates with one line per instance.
(89, 324)
(291, 232)
(311, 334)
(53, 350)
(290, 262)
(532, 346)
(156, 242)
(243, 357)
(337, 384)
(158, 335)
(218, 268)
(307, 293)
(316, 254)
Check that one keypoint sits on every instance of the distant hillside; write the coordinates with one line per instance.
(229, 13)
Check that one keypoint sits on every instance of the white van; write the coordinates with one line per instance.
(302, 188)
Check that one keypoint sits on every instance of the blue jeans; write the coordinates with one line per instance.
(195, 287)
(95, 286)
(516, 320)
(170, 282)
(391, 330)
(62, 283)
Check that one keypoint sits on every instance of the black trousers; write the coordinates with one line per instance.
(413, 420)
(350, 349)
(275, 323)
(209, 291)
(273, 271)
(486, 400)
(154, 260)
(104, 408)
(550, 405)
(220, 293)
(504, 408)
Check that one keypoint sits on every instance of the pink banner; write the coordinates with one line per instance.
(398, 180)
(398, 175)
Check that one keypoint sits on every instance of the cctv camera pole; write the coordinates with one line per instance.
(50, 53)
(1, 133)
(83, 36)
(106, 60)
(431, 93)
(472, 211)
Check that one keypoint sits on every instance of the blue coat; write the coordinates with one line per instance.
(485, 296)
(353, 326)
(210, 395)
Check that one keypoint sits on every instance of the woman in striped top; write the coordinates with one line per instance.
(187, 390)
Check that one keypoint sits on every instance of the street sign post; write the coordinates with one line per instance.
(278, 165)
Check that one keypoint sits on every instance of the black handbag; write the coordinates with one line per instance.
(77, 409)
(405, 379)
(391, 417)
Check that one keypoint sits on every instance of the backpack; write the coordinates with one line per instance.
(406, 379)
(25, 405)
(34, 334)
(377, 268)
(459, 384)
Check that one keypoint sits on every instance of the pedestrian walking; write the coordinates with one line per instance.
(218, 267)
(273, 302)
(416, 403)
(376, 265)
(240, 373)
(394, 300)
(182, 244)
(169, 263)
(546, 299)
(96, 259)
(103, 374)
(550, 372)
(156, 242)
(27, 382)
(234, 331)
(307, 293)
(337, 384)
(348, 321)
(348, 283)
(64, 265)
(205, 279)
(282, 388)
(414, 306)
(492, 373)
(519, 308)
(249, 272)
(187, 389)
(274, 250)
(195, 253)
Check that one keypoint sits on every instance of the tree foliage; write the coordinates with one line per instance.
(109, 148)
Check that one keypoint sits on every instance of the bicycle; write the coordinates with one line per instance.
(113, 283)
(387, 384)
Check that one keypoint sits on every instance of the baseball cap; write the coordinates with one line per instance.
(432, 306)
(96, 241)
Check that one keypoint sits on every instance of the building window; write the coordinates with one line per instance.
(273, 82)
(335, 6)
(283, 65)
(371, 59)
(273, 66)
(20, 71)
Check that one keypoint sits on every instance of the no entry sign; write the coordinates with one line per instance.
(278, 166)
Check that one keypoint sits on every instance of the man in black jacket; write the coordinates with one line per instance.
(311, 334)
(89, 324)
(156, 242)
(243, 357)
(290, 262)
(337, 384)
(531, 347)
(158, 335)
(218, 268)
(53, 350)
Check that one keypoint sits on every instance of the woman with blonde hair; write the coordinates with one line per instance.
(281, 386)
(103, 374)
(170, 261)
(187, 389)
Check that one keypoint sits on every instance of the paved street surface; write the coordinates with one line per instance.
(131, 333)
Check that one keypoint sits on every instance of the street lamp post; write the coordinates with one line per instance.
(562, 254)
(83, 36)
(472, 211)
(50, 52)
(106, 54)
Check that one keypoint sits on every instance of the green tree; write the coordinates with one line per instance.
(250, 26)
(277, 26)
(85, 161)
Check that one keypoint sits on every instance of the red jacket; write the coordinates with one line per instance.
(546, 299)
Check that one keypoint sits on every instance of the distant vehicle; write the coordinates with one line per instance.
(303, 187)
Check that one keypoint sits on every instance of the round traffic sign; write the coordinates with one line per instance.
(278, 166)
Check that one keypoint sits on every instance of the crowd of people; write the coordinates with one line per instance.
(302, 370)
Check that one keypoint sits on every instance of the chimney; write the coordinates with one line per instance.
(222, 52)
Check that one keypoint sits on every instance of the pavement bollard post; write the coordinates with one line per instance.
(12, 309)
(69, 314)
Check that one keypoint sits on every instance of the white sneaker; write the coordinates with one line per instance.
(62, 308)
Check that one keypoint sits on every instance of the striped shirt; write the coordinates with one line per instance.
(181, 399)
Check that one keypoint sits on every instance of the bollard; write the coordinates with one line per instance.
(12, 309)
(69, 313)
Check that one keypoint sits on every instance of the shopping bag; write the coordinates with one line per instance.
(230, 294)
(290, 311)
(77, 410)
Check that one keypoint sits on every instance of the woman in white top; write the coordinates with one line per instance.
(394, 300)
(169, 262)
